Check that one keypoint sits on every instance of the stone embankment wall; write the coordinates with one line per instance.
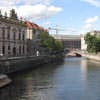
(92, 56)
(14, 64)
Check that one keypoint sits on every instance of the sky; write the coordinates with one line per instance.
(70, 16)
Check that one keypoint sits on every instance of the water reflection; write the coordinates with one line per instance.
(73, 79)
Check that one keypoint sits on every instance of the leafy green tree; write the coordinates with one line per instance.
(93, 43)
(47, 41)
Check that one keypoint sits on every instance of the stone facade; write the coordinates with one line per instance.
(12, 38)
(83, 44)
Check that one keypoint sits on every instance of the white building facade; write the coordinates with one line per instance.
(12, 37)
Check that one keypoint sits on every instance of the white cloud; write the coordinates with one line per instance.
(89, 26)
(22, 2)
(38, 11)
(93, 2)
(31, 9)
(90, 23)
(46, 23)
(92, 19)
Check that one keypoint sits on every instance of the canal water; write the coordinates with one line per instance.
(71, 79)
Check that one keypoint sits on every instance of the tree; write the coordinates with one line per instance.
(47, 41)
(13, 14)
(93, 43)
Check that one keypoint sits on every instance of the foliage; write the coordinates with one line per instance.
(93, 43)
(47, 41)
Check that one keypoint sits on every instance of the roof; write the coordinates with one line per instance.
(28, 24)
(35, 26)
(32, 25)
(67, 37)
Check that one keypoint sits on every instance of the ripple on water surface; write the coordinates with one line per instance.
(73, 79)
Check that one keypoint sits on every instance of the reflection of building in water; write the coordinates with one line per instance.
(84, 68)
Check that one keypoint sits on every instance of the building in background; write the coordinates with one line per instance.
(70, 41)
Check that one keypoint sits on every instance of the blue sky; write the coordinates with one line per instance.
(76, 16)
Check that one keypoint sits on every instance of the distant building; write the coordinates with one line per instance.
(83, 44)
(70, 41)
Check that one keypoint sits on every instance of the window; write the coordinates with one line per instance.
(8, 35)
(3, 33)
(14, 35)
(23, 49)
(20, 50)
(3, 50)
(19, 36)
(8, 49)
(23, 37)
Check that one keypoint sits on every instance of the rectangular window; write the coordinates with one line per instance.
(23, 50)
(20, 50)
(8, 35)
(14, 35)
(3, 50)
(8, 47)
(9, 50)
(23, 37)
(19, 36)
(3, 33)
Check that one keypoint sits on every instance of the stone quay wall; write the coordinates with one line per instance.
(95, 57)
(14, 64)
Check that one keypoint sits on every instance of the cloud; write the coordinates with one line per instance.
(38, 11)
(92, 19)
(90, 23)
(46, 23)
(22, 2)
(89, 26)
(93, 2)
(31, 9)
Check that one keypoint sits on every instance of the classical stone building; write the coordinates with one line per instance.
(12, 37)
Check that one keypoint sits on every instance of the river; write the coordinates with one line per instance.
(72, 79)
